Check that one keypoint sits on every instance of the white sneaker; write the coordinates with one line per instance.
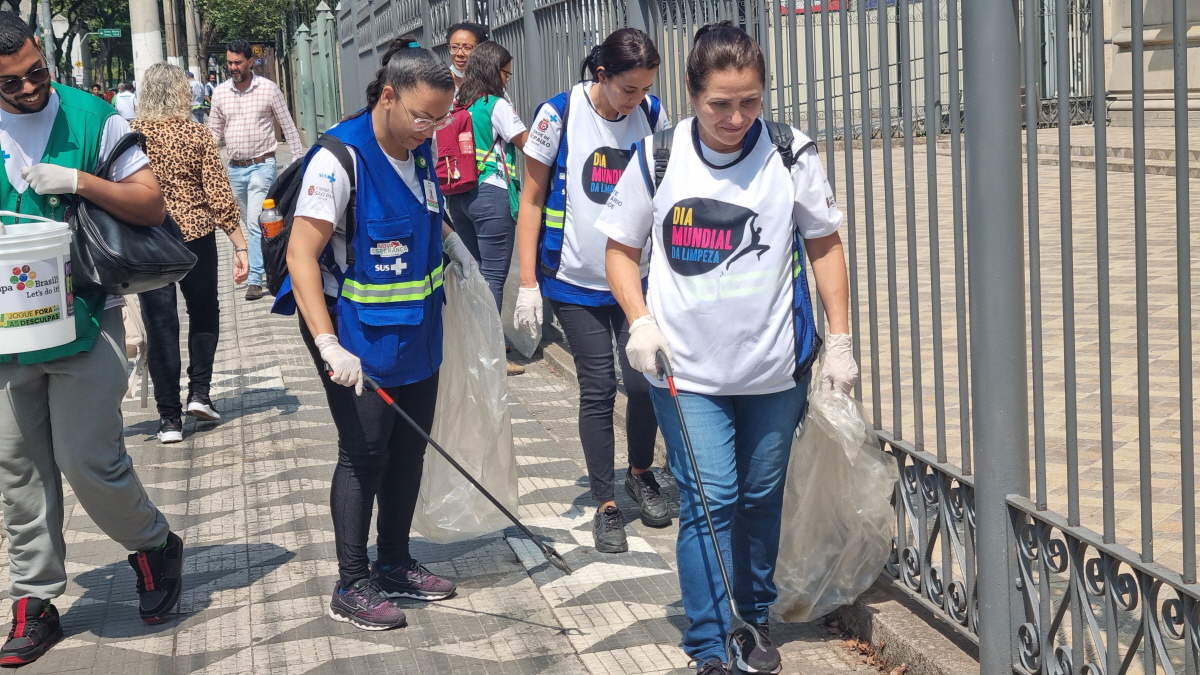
(202, 409)
(170, 430)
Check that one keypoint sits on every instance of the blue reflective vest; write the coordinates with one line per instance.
(554, 214)
(390, 308)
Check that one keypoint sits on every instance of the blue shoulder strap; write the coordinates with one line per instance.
(653, 109)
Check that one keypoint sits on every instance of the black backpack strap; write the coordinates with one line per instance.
(334, 145)
(782, 137)
(123, 145)
(662, 154)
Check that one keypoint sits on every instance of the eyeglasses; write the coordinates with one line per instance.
(423, 123)
(462, 49)
(15, 85)
(506, 73)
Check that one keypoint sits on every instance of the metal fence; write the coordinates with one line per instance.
(1028, 367)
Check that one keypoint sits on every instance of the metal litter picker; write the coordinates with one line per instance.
(736, 621)
(551, 555)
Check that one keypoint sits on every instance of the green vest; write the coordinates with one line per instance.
(485, 155)
(74, 142)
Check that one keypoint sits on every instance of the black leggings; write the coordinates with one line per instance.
(590, 332)
(161, 317)
(376, 449)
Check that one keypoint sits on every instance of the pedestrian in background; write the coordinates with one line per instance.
(198, 98)
(245, 109)
(733, 313)
(96, 91)
(461, 40)
(486, 217)
(188, 166)
(60, 407)
(577, 150)
(125, 101)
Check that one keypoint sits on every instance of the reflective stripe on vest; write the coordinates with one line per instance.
(554, 218)
(401, 292)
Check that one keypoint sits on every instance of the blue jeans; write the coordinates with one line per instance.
(250, 186)
(483, 220)
(742, 445)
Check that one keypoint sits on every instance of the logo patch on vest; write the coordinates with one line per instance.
(388, 249)
(601, 172)
(701, 234)
(397, 267)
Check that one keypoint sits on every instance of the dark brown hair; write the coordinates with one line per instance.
(622, 51)
(483, 77)
(720, 47)
(406, 65)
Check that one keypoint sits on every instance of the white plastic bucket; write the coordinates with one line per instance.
(37, 303)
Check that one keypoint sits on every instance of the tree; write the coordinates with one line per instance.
(259, 20)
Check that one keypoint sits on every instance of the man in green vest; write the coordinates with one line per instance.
(60, 412)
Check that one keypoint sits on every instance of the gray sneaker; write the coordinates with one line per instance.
(608, 530)
(755, 657)
(644, 490)
(363, 605)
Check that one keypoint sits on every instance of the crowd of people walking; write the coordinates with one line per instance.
(633, 232)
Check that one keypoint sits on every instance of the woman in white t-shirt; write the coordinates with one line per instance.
(577, 150)
(486, 217)
(728, 218)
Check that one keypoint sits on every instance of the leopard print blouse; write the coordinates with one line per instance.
(184, 157)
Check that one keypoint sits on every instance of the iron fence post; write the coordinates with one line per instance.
(535, 68)
(995, 244)
(635, 14)
(306, 98)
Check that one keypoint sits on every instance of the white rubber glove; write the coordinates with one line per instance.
(458, 252)
(645, 341)
(528, 313)
(51, 179)
(839, 369)
(346, 367)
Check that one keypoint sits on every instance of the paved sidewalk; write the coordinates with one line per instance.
(250, 498)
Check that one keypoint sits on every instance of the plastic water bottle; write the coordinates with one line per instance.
(270, 219)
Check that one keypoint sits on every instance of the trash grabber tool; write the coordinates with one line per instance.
(551, 555)
(665, 372)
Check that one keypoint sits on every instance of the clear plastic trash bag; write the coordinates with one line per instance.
(838, 518)
(471, 421)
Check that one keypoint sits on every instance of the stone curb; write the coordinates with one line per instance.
(903, 631)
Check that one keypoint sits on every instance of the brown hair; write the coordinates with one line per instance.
(719, 47)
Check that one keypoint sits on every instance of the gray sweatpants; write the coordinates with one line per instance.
(65, 416)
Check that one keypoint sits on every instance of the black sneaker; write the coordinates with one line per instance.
(35, 629)
(363, 605)
(608, 530)
(200, 406)
(170, 430)
(412, 581)
(755, 658)
(711, 667)
(645, 491)
(159, 579)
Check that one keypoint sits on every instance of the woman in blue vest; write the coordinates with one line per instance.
(729, 216)
(372, 305)
(485, 217)
(577, 149)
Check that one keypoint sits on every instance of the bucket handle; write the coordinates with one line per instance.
(21, 216)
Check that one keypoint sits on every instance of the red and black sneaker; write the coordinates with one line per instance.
(35, 629)
(159, 579)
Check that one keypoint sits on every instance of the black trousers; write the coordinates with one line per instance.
(590, 332)
(161, 317)
(380, 458)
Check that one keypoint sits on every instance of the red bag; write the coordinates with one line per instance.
(457, 169)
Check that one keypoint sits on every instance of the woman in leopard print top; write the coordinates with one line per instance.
(184, 157)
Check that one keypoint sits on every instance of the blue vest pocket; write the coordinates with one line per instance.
(386, 339)
(389, 255)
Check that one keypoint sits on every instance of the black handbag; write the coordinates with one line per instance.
(120, 258)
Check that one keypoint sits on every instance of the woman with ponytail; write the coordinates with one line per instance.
(729, 219)
(366, 273)
(576, 151)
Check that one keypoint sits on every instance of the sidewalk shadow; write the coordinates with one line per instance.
(273, 401)
(108, 606)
